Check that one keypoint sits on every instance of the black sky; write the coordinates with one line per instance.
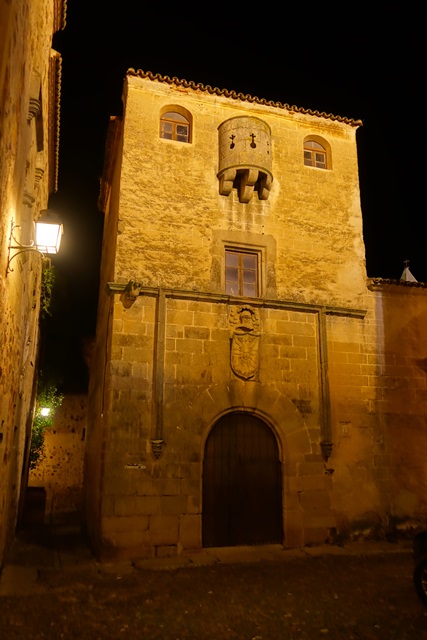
(340, 64)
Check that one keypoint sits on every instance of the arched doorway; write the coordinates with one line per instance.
(242, 484)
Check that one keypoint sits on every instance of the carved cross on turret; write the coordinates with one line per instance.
(245, 163)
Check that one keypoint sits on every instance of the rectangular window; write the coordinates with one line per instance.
(241, 273)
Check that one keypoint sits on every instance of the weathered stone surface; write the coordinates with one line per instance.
(329, 366)
(28, 173)
(61, 470)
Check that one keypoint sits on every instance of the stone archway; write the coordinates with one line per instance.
(293, 441)
(242, 483)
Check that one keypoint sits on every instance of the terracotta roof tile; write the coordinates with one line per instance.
(60, 15)
(55, 77)
(378, 282)
(238, 96)
(55, 73)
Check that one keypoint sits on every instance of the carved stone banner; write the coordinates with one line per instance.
(245, 340)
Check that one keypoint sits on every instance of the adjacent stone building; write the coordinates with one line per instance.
(30, 76)
(249, 385)
(59, 473)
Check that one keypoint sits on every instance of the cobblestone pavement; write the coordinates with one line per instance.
(363, 591)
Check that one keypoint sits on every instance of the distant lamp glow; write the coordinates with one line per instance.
(48, 234)
(45, 411)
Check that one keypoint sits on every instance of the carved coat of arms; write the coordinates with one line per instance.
(245, 341)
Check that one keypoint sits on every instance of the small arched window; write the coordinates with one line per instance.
(315, 155)
(174, 126)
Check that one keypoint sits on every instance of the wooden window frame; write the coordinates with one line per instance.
(317, 153)
(264, 245)
(175, 119)
(240, 253)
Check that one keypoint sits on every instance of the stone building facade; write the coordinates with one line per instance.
(249, 385)
(30, 76)
(60, 472)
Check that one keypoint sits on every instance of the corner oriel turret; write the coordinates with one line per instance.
(245, 158)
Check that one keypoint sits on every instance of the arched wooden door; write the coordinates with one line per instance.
(242, 484)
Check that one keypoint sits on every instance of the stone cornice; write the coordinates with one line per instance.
(202, 296)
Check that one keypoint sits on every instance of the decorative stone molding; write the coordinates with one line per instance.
(38, 175)
(157, 448)
(130, 293)
(40, 169)
(28, 200)
(266, 303)
(326, 448)
(35, 105)
(245, 158)
(34, 108)
(244, 324)
(245, 340)
(132, 290)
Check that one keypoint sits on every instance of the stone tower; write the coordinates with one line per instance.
(237, 339)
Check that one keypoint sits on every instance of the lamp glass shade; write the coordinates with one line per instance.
(49, 230)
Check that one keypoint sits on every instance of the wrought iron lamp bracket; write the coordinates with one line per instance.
(18, 247)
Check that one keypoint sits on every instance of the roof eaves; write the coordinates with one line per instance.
(55, 74)
(378, 283)
(60, 15)
(239, 96)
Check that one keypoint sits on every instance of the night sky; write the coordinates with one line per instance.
(341, 64)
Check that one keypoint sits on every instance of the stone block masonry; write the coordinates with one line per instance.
(199, 390)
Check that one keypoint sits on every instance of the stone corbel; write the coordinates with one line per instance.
(226, 181)
(157, 447)
(39, 170)
(247, 182)
(132, 290)
(326, 448)
(35, 105)
(130, 293)
(38, 175)
(34, 108)
(265, 182)
(28, 200)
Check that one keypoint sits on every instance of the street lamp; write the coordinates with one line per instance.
(48, 234)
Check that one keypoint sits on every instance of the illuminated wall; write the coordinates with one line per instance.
(29, 86)
(310, 356)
